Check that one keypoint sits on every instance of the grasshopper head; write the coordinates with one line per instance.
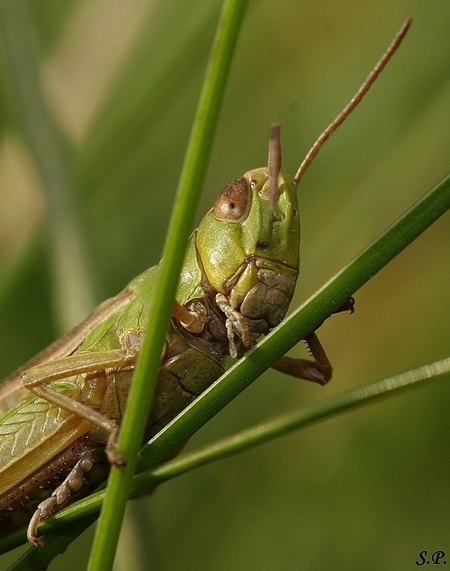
(253, 231)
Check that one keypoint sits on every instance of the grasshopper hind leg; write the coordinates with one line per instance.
(320, 370)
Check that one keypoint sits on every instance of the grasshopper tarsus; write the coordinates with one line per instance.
(60, 495)
(112, 454)
(348, 305)
(118, 460)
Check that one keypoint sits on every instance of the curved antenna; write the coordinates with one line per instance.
(354, 101)
(274, 165)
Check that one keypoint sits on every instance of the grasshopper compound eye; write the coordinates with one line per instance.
(233, 203)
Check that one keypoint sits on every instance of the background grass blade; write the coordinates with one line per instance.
(73, 290)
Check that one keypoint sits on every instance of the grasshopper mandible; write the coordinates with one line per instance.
(62, 409)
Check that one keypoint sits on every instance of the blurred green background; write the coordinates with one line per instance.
(365, 490)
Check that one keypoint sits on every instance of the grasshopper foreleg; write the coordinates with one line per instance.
(235, 324)
(59, 497)
(193, 319)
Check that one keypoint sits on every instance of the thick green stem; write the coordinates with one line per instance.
(190, 185)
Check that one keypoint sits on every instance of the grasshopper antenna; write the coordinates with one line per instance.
(274, 165)
(354, 101)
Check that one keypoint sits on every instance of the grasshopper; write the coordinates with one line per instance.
(62, 409)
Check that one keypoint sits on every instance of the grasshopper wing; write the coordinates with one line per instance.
(33, 432)
(11, 390)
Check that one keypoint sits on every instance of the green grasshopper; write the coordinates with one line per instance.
(62, 409)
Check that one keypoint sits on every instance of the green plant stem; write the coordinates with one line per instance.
(194, 170)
